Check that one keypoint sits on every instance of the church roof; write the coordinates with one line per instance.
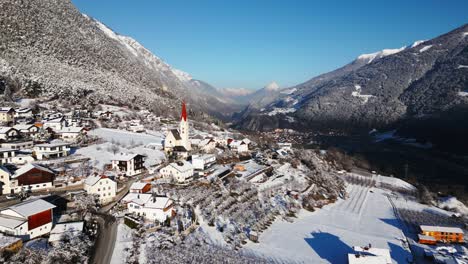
(176, 134)
(184, 112)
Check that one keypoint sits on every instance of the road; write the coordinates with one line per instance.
(104, 247)
(105, 243)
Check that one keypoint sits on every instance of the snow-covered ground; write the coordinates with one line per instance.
(328, 235)
(122, 244)
(101, 154)
(125, 137)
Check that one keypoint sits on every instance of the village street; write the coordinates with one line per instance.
(108, 228)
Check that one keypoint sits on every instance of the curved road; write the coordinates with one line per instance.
(105, 243)
(104, 246)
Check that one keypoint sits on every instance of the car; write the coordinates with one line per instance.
(12, 196)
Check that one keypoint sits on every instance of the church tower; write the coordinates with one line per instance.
(184, 128)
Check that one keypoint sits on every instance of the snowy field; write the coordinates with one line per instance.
(101, 154)
(122, 244)
(125, 137)
(328, 235)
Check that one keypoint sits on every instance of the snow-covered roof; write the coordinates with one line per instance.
(205, 142)
(23, 110)
(28, 167)
(423, 237)
(31, 207)
(70, 130)
(182, 166)
(91, 180)
(138, 185)
(138, 198)
(205, 157)
(125, 156)
(441, 229)
(6, 109)
(147, 200)
(11, 221)
(54, 120)
(158, 203)
(53, 144)
(23, 126)
(73, 228)
(4, 130)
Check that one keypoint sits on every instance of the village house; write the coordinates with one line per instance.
(18, 145)
(203, 162)
(24, 113)
(9, 133)
(181, 171)
(239, 146)
(6, 155)
(27, 220)
(70, 134)
(140, 187)
(440, 233)
(7, 115)
(52, 150)
(136, 127)
(101, 186)
(151, 207)
(207, 145)
(29, 177)
(27, 130)
(129, 164)
(179, 138)
(55, 124)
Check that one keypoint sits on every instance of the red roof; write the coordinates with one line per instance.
(184, 112)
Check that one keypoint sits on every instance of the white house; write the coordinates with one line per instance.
(181, 171)
(9, 133)
(28, 219)
(29, 144)
(52, 150)
(207, 145)
(55, 124)
(24, 113)
(7, 155)
(101, 186)
(140, 187)
(130, 164)
(239, 146)
(27, 129)
(70, 134)
(7, 114)
(29, 177)
(202, 162)
(152, 208)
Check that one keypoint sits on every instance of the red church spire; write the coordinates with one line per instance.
(184, 112)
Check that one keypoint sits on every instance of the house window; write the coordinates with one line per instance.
(44, 184)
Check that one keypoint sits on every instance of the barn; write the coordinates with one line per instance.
(27, 220)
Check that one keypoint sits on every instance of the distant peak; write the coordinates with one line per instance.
(273, 86)
(416, 43)
(379, 54)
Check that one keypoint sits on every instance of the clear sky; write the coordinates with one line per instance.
(248, 43)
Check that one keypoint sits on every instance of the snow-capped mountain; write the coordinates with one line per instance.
(424, 81)
(74, 57)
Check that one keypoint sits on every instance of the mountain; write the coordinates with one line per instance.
(393, 87)
(50, 49)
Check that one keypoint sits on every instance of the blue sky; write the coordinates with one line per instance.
(248, 43)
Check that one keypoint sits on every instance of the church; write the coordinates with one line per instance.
(177, 140)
